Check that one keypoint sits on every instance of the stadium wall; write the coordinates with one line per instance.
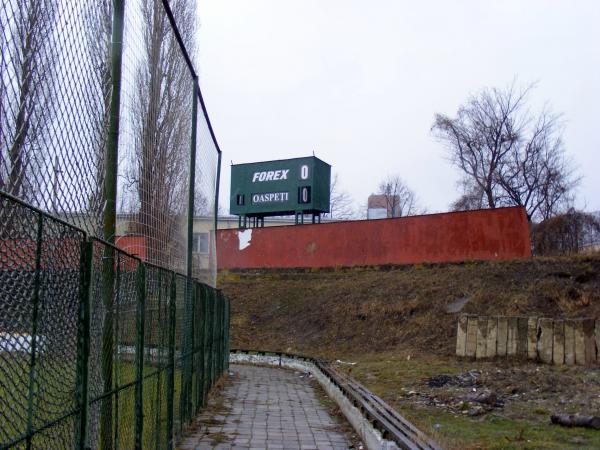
(490, 234)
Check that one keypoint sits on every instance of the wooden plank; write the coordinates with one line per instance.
(481, 337)
(570, 342)
(461, 335)
(558, 342)
(471, 348)
(545, 340)
(532, 338)
(492, 337)
(502, 336)
(511, 342)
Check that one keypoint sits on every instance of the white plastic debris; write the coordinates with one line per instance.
(21, 343)
(339, 361)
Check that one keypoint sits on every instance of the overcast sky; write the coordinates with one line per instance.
(358, 82)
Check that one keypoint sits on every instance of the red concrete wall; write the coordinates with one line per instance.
(489, 234)
(134, 245)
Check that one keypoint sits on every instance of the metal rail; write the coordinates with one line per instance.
(383, 417)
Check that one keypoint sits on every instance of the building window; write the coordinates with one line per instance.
(304, 194)
(200, 243)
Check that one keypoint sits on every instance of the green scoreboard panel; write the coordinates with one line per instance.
(282, 187)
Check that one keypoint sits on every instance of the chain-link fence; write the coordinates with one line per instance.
(102, 123)
(78, 371)
(111, 331)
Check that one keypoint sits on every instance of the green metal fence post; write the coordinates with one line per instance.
(186, 372)
(192, 181)
(160, 344)
(200, 346)
(204, 342)
(211, 355)
(34, 326)
(228, 324)
(217, 185)
(197, 328)
(117, 332)
(171, 372)
(226, 334)
(83, 341)
(208, 344)
(110, 198)
(139, 355)
(219, 350)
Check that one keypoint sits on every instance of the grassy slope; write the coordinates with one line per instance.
(379, 309)
(393, 322)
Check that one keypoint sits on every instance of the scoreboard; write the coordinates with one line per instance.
(281, 187)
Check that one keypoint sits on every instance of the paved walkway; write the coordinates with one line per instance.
(267, 408)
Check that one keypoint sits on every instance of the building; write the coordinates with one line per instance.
(380, 206)
(203, 247)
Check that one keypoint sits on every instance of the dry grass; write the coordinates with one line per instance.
(376, 309)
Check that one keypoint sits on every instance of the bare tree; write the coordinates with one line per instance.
(536, 174)
(471, 199)
(506, 153)
(26, 89)
(161, 120)
(400, 200)
(566, 233)
(98, 46)
(341, 205)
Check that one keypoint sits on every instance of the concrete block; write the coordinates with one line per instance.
(558, 342)
(532, 338)
(511, 341)
(570, 342)
(544, 344)
(492, 337)
(589, 341)
(597, 336)
(579, 343)
(502, 336)
(481, 337)
(461, 335)
(471, 348)
(522, 337)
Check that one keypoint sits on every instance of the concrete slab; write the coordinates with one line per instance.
(579, 343)
(532, 338)
(511, 341)
(597, 338)
(492, 337)
(471, 348)
(522, 337)
(502, 336)
(558, 342)
(589, 341)
(461, 336)
(482, 332)
(545, 340)
(570, 342)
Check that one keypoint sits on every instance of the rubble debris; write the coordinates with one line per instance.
(462, 379)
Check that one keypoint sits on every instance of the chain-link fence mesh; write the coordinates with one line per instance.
(83, 363)
(57, 73)
(102, 345)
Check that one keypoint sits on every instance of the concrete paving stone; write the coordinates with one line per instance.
(266, 408)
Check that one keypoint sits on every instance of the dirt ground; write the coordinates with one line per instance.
(398, 324)
(481, 405)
